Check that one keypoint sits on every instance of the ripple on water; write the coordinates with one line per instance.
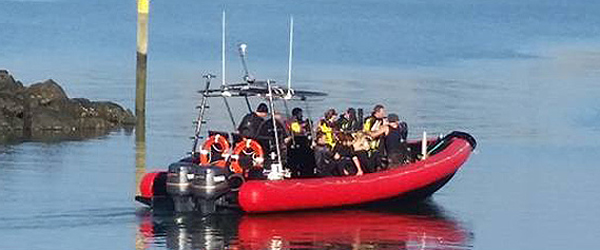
(67, 219)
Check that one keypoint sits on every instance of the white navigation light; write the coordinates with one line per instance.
(243, 47)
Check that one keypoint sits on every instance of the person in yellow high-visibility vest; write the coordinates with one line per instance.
(348, 122)
(376, 124)
(298, 126)
(327, 126)
(375, 127)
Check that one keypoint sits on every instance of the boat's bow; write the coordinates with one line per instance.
(293, 194)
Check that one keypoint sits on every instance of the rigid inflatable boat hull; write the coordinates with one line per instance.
(409, 182)
(294, 194)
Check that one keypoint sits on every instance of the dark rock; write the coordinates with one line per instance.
(11, 112)
(10, 123)
(43, 118)
(11, 105)
(76, 107)
(94, 123)
(44, 109)
(114, 113)
(8, 83)
(45, 92)
(82, 108)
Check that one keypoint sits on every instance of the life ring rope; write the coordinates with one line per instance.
(209, 145)
(257, 154)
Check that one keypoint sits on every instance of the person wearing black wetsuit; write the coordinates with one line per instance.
(326, 164)
(348, 121)
(251, 122)
(348, 159)
(375, 127)
(395, 141)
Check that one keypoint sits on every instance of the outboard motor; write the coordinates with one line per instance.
(179, 182)
(210, 183)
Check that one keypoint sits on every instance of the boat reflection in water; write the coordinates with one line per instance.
(189, 231)
(420, 226)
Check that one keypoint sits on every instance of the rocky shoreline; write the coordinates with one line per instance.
(44, 109)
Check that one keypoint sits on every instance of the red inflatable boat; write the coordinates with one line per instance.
(418, 179)
(188, 186)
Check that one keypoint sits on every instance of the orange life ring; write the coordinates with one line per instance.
(247, 147)
(207, 149)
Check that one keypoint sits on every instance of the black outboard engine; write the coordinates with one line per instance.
(179, 185)
(210, 184)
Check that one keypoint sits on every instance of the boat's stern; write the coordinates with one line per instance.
(188, 187)
(152, 190)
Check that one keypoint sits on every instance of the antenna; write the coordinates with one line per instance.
(223, 51)
(289, 80)
(225, 92)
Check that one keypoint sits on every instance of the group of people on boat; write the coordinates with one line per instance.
(345, 146)
(340, 145)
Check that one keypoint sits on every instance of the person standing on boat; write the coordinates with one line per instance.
(251, 122)
(298, 126)
(300, 159)
(375, 127)
(395, 140)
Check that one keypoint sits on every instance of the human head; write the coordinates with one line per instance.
(297, 113)
(321, 138)
(330, 115)
(345, 139)
(378, 111)
(393, 120)
(351, 113)
(262, 110)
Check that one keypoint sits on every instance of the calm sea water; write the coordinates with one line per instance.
(521, 76)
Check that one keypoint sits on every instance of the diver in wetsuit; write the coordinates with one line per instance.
(328, 126)
(375, 127)
(395, 141)
(301, 159)
(326, 162)
(348, 121)
(251, 122)
(297, 125)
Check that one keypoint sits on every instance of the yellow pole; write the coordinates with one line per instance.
(142, 51)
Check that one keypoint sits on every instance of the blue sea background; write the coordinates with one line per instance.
(521, 76)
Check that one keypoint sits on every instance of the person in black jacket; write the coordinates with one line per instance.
(348, 121)
(395, 141)
(325, 159)
(250, 123)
